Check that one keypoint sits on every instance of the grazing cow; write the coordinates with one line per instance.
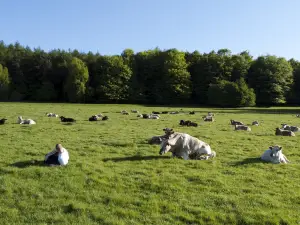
(242, 127)
(255, 123)
(93, 118)
(2, 121)
(27, 121)
(184, 146)
(105, 118)
(134, 111)
(274, 155)
(164, 112)
(66, 120)
(192, 112)
(140, 115)
(175, 112)
(208, 118)
(298, 115)
(51, 115)
(291, 128)
(234, 122)
(281, 132)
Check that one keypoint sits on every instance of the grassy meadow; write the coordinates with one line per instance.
(115, 177)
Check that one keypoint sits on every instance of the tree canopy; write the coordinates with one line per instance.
(217, 78)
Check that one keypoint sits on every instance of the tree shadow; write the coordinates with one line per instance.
(135, 158)
(246, 161)
(28, 163)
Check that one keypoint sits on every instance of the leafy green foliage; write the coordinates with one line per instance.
(271, 78)
(76, 80)
(149, 77)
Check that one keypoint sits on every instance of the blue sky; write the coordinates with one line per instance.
(110, 26)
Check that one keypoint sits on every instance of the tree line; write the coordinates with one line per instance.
(218, 78)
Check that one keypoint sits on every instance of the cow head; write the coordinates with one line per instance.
(275, 150)
(168, 143)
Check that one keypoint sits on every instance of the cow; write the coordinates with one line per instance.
(242, 127)
(185, 146)
(234, 122)
(208, 118)
(255, 123)
(274, 155)
(291, 128)
(280, 132)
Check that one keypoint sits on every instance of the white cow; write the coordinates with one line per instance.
(186, 146)
(28, 121)
(51, 115)
(274, 155)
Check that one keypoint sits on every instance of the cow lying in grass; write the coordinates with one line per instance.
(234, 122)
(66, 120)
(51, 115)
(291, 128)
(188, 123)
(187, 147)
(2, 121)
(274, 155)
(208, 118)
(26, 121)
(281, 132)
(242, 127)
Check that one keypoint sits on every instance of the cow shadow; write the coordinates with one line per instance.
(247, 161)
(135, 158)
(28, 163)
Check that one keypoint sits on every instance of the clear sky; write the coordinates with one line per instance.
(110, 26)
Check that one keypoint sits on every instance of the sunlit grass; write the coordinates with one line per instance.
(115, 177)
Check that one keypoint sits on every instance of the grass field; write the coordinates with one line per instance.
(115, 177)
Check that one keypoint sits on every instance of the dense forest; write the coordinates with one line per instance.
(149, 77)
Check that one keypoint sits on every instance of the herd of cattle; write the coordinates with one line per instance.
(183, 145)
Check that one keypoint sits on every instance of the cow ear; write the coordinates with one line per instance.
(280, 148)
(271, 147)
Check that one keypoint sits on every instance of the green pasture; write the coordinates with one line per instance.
(115, 177)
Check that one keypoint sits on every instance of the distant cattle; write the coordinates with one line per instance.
(154, 112)
(25, 121)
(2, 121)
(67, 120)
(164, 112)
(281, 132)
(234, 122)
(192, 112)
(51, 115)
(187, 123)
(105, 118)
(134, 111)
(208, 118)
(291, 128)
(242, 127)
(255, 123)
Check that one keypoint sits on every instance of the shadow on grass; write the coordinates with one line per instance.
(28, 163)
(255, 160)
(68, 123)
(135, 158)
